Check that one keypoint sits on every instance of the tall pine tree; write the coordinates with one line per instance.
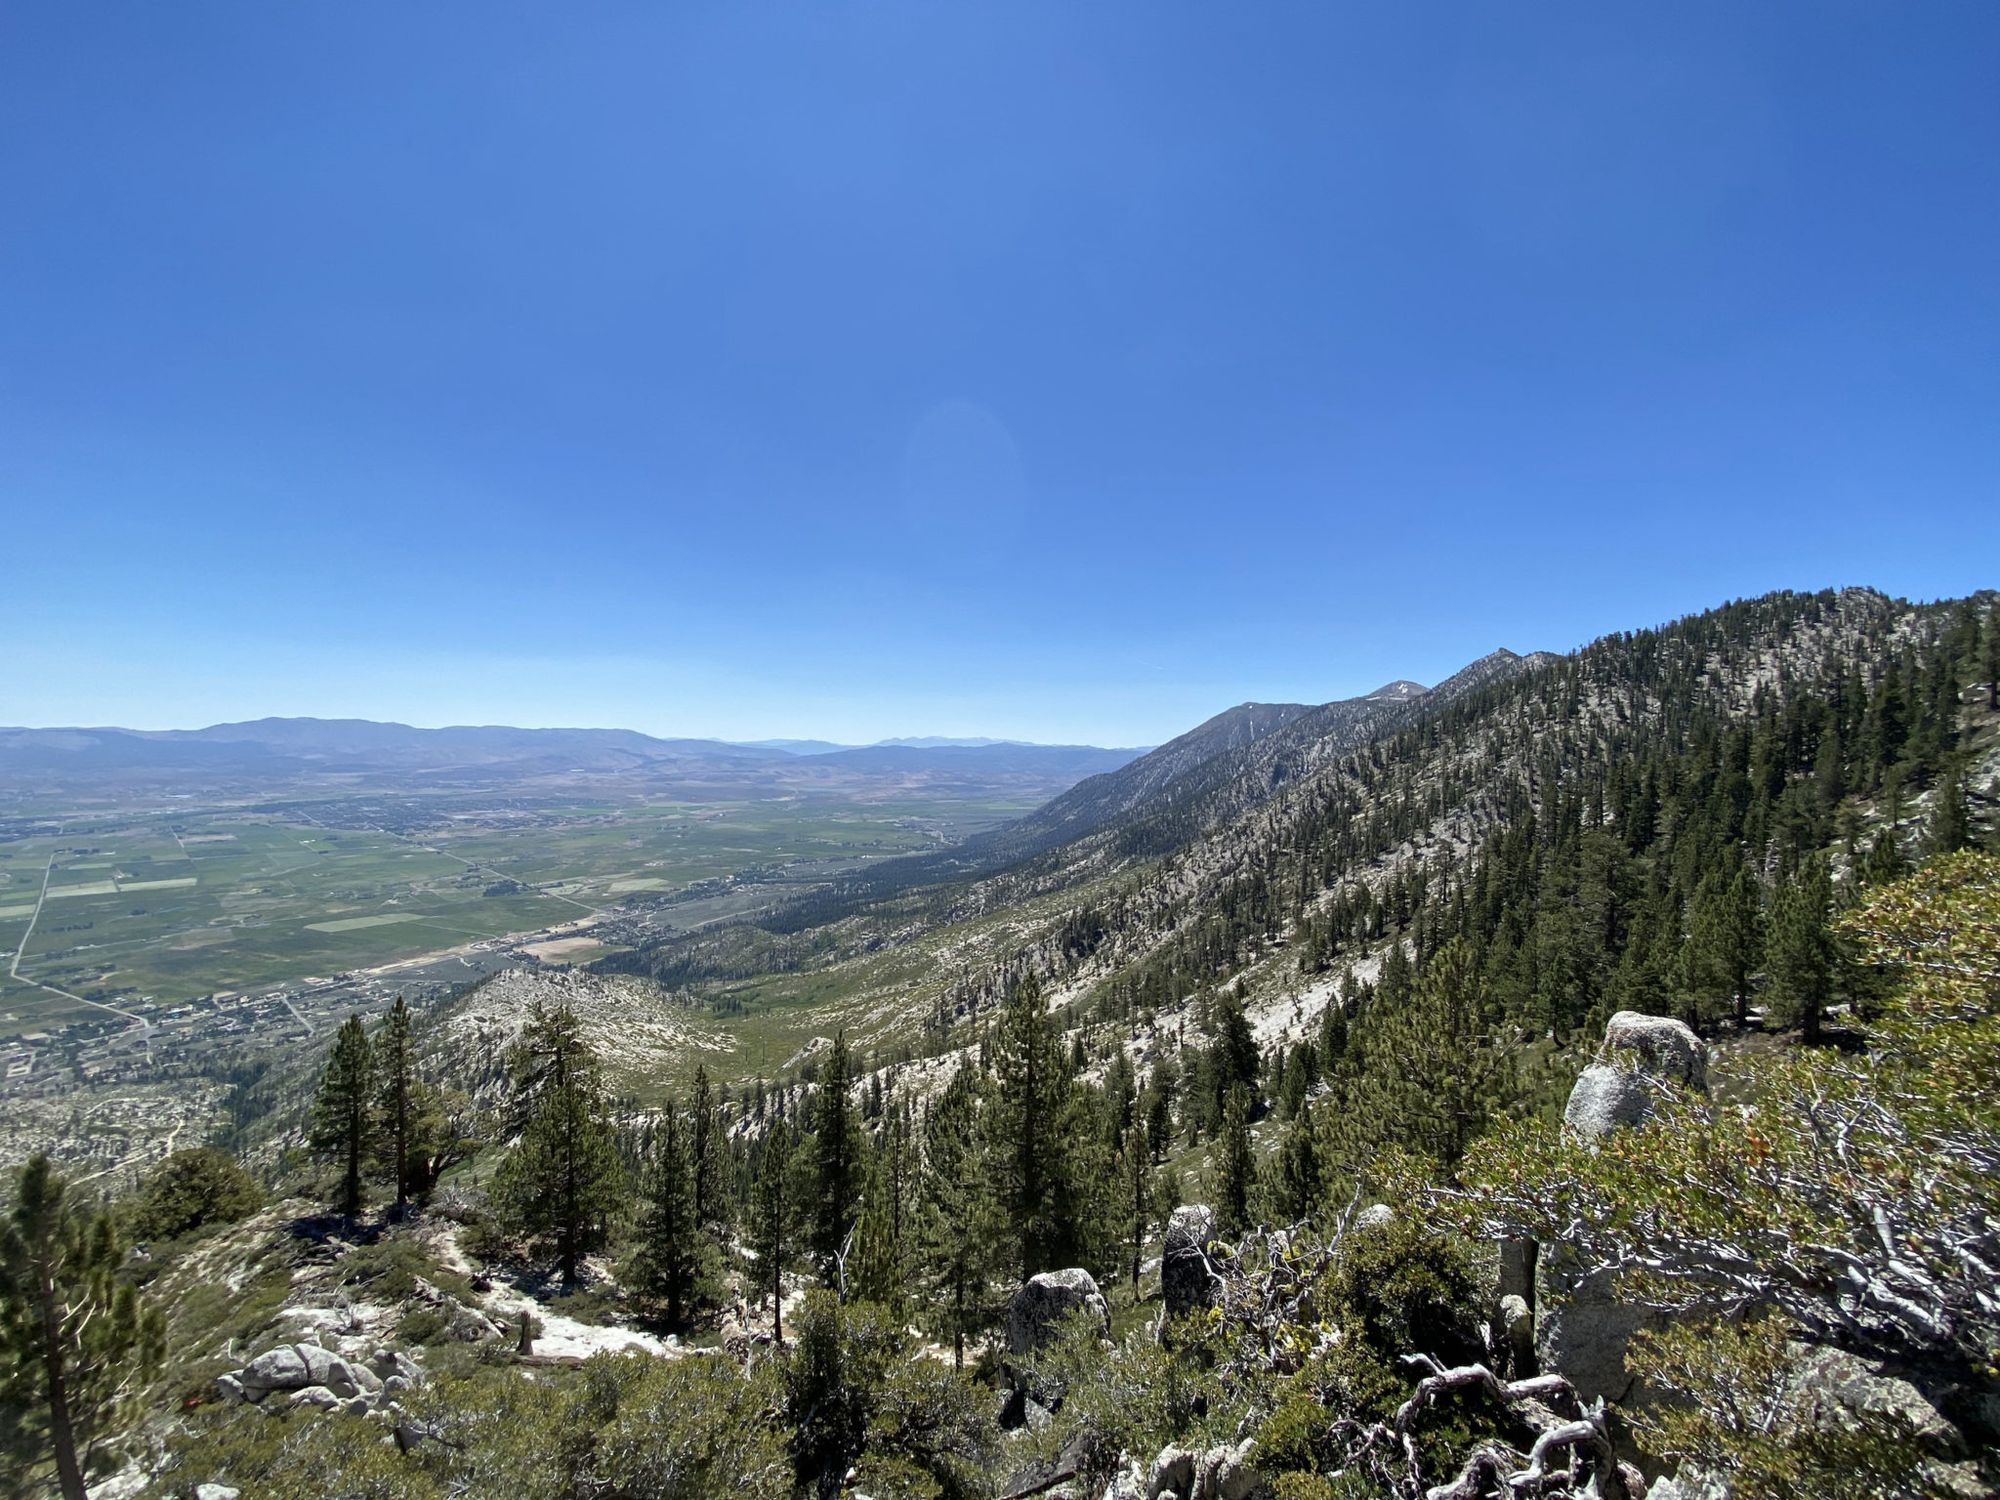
(836, 1162)
(562, 1180)
(343, 1111)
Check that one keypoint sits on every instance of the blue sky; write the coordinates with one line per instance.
(1063, 371)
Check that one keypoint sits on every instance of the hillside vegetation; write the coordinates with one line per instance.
(1576, 1078)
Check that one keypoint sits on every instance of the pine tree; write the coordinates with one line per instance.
(401, 1102)
(343, 1111)
(959, 1228)
(670, 1231)
(1951, 820)
(773, 1220)
(1431, 1073)
(563, 1177)
(882, 1236)
(709, 1151)
(1028, 1138)
(1139, 1194)
(1721, 949)
(1235, 1166)
(1801, 956)
(74, 1336)
(1299, 1182)
(1885, 863)
(836, 1163)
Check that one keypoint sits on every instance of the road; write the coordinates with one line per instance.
(21, 949)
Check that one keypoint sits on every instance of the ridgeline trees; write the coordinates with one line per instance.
(75, 1338)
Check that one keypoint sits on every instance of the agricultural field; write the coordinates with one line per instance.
(162, 908)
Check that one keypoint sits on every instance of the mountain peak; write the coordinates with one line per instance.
(1399, 691)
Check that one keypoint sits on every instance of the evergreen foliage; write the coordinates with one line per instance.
(75, 1337)
(343, 1111)
(562, 1181)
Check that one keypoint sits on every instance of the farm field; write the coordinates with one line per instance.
(164, 908)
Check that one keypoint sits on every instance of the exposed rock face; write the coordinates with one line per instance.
(1835, 1390)
(1221, 1473)
(1692, 1483)
(1186, 1282)
(1584, 1329)
(1517, 1334)
(1044, 1301)
(309, 1375)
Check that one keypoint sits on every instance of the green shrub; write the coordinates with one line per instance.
(193, 1190)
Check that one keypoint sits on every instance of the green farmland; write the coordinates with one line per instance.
(167, 908)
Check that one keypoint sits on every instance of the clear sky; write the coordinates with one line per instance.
(1061, 371)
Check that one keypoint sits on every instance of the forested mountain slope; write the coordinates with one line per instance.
(1599, 789)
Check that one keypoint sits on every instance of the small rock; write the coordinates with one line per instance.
(230, 1390)
(317, 1396)
(212, 1491)
(1374, 1216)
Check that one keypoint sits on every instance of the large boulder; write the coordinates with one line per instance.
(1666, 1048)
(1606, 1098)
(1187, 1279)
(289, 1367)
(1640, 1057)
(1035, 1316)
(1044, 1302)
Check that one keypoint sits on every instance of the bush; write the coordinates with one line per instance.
(193, 1190)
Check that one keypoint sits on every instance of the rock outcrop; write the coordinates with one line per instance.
(1583, 1326)
(1640, 1056)
(308, 1375)
(1042, 1304)
(1220, 1473)
(1188, 1281)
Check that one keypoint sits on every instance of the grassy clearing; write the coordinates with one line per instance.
(355, 924)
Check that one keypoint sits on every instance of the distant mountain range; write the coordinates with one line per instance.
(913, 742)
(276, 748)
